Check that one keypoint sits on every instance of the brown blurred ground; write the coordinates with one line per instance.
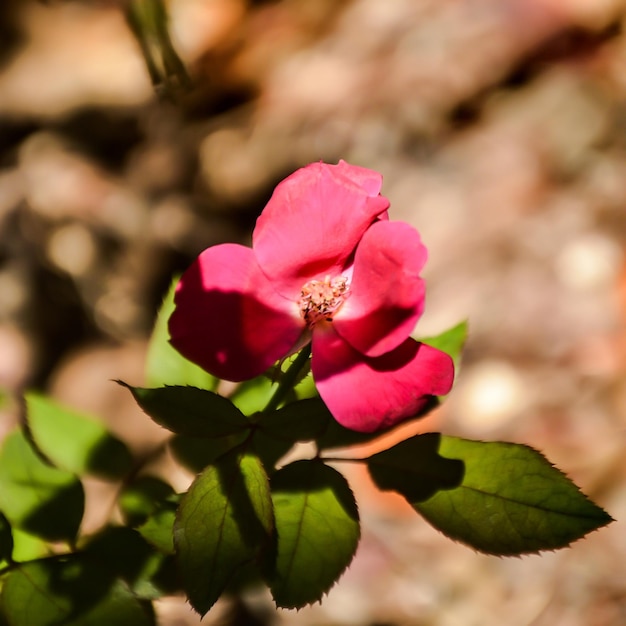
(500, 129)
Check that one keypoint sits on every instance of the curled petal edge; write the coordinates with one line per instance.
(368, 394)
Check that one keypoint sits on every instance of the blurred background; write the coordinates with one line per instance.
(128, 144)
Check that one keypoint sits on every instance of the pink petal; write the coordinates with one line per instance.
(369, 180)
(313, 222)
(386, 293)
(369, 394)
(228, 319)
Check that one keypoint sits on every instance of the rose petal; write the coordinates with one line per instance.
(313, 222)
(369, 180)
(369, 394)
(228, 319)
(386, 293)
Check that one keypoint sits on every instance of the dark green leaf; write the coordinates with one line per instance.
(122, 553)
(164, 579)
(415, 468)
(269, 450)
(142, 497)
(196, 454)
(337, 436)
(36, 497)
(511, 501)
(190, 411)
(69, 592)
(120, 607)
(317, 532)
(222, 523)
(6, 539)
(298, 421)
(51, 592)
(450, 341)
(164, 364)
(74, 441)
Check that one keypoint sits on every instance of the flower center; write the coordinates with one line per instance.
(321, 299)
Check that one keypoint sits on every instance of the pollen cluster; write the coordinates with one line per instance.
(321, 299)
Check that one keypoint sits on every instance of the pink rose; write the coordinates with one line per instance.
(327, 266)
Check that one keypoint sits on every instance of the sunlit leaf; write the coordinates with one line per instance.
(42, 500)
(223, 522)
(253, 395)
(306, 388)
(70, 592)
(164, 364)
(317, 532)
(74, 441)
(158, 529)
(190, 411)
(450, 341)
(511, 500)
(26, 546)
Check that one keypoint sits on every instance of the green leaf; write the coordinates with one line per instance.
(309, 419)
(74, 441)
(306, 388)
(415, 468)
(70, 592)
(6, 539)
(195, 454)
(251, 396)
(27, 547)
(36, 497)
(142, 497)
(269, 450)
(304, 420)
(450, 341)
(120, 607)
(158, 529)
(511, 501)
(122, 553)
(190, 411)
(164, 364)
(223, 522)
(317, 532)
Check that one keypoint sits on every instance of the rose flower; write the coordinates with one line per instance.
(327, 267)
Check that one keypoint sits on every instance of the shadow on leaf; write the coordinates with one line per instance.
(415, 469)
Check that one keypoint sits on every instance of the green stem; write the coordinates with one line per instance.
(288, 379)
